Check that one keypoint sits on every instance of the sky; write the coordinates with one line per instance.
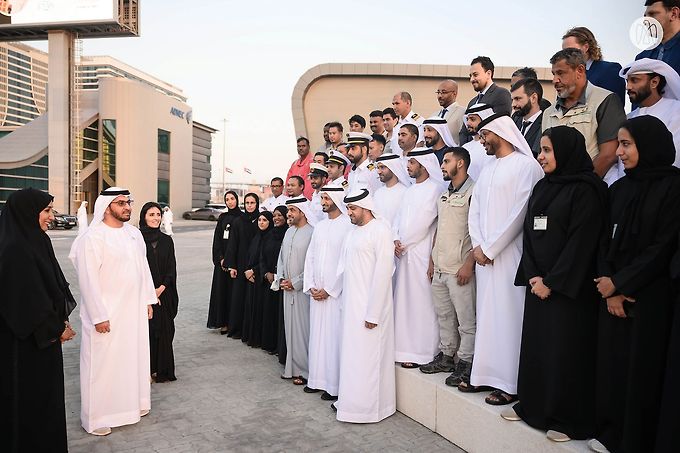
(239, 60)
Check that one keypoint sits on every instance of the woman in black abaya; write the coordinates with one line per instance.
(635, 317)
(272, 323)
(236, 261)
(34, 309)
(160, 254)
(562, 230)
(220, 293)
(257, 282)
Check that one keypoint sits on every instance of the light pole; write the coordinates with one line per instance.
(224, 155)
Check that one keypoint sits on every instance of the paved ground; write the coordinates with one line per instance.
(228, 397)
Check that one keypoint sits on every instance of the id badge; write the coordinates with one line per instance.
(225, 235)
(540, 223)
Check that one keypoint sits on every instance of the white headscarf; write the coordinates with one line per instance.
(647, 65)
(482, 110)
(440, 125)
(429, 160)
(103, 201)
(361, 198)
(303, 205)
(337, 194)
(396, 165)
(503, 126)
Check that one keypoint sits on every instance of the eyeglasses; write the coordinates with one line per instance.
(123, 203)
(443, 91)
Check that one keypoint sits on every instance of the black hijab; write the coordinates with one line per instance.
(150, 234)
(252, 216)
(237, 209)
(278, 232)
(31, 281)
(574, 165)
(270, 217)
(656, 154)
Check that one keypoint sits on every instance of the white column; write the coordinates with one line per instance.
(58, 107)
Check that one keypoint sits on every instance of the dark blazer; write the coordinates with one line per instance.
(500, 101)
(533, 135)
(605, 74)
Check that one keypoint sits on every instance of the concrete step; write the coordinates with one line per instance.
(466, 420)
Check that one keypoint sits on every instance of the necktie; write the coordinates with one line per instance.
(525, 126)
(479, 98)
(443, 112)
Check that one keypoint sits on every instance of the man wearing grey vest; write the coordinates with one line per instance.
(451, 271)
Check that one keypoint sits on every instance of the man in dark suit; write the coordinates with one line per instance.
(498, 98)
(528, 116)
(667, 12)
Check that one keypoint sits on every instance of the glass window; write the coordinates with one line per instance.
(163, 141)
(109, 148)
(163, 191)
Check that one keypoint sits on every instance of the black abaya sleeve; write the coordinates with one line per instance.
(217, 241)
(231, 255)
(654, 259)
(583, 236)
(527, 268)
(170, 267)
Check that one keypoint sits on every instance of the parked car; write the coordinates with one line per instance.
(207, 213)
(64, 221)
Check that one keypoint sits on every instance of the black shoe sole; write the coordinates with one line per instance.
(328, 397)
(437, 371)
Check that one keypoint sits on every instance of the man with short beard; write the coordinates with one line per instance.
(497, 211)
(528, 116)
(451, 111)
(593, 111)
(363, 173)
(451, 272)
(478, 157)
(324, 287)
(117, 292)
(437, 136)
(488, 92)
(290, 278)
(416, 332)
(318, 174)
(388, 198)
(655, 87)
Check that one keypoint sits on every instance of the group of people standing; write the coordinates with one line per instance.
(128, 302)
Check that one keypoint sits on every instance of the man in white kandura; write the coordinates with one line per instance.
(116, 293)
(415, 321)
(167, 220)
(289, 277)
(497, 209)
(367, 392)
(395, 180)
(324, 287)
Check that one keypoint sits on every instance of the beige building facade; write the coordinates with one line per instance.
(336, 91)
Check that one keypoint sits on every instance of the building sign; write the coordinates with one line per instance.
(174, 111)
(55, 12)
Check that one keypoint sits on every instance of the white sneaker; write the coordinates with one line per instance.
(557, 436)
(144, 413)
(510, 415)
(101, 432)
(597, 446)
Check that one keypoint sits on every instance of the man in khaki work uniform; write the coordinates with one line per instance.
(452, 272)
(593, 111)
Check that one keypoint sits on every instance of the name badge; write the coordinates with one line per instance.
(540, 223)
(614, 230)
(225, 235)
